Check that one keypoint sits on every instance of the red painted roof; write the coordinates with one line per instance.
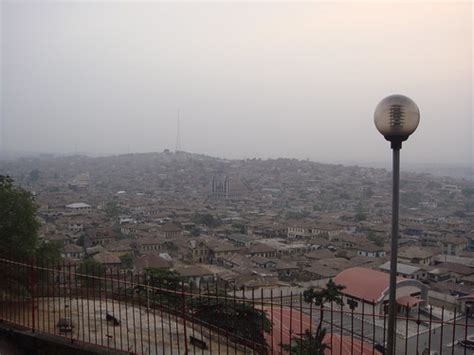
(286, 320)
(363, 283)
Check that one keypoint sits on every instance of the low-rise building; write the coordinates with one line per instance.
(78, 207)
(453, 245)
(260, 249)
(416, 255)
(362, 285)
(241, 240)
(72, 251)
(110, 261)
(370, 250)
(195, 274)
(407, 271)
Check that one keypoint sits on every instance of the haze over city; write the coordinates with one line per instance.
(242, 177)
(249, 79)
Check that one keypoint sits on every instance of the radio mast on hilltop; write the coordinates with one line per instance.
(178, 135)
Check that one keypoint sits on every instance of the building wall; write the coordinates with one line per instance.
(439, 299)
(407, 288)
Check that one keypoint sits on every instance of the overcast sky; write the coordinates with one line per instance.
(250, 79)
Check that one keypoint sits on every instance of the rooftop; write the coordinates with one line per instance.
(401, 268)
(78, 205)
(363, 283)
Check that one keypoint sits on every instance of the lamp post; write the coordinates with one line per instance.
(396, 118)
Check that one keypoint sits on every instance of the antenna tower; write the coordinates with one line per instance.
(178, 135)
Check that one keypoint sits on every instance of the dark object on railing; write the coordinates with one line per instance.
(111, 318)
(65, 325)
(468, 344)
(198, 342)
(379, 347)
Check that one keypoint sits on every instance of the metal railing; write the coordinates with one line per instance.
(146, 314)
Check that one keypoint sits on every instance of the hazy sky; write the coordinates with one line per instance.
(250, 79)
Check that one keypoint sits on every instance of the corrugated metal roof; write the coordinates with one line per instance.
(401, 268)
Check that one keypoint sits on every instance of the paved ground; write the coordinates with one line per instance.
(419, 337)
(139, 331)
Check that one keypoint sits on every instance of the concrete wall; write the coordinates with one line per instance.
(439, 299)
(17, 341)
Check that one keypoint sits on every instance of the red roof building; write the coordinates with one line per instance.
(372, 287)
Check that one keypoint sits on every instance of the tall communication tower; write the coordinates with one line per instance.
(178, 134)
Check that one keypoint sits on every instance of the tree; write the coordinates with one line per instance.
(468, 191)
(376, 239)
(127, 260)
(367, 192)
(341, 254)
(112, 209)
(81, 240)
(239, 227)
(206, 219)
(18, 224)
(34, 175)
(308, 344)
(360, 216)
(91, 269)
(195, 232)
(164, 280)
(241, 320)
(297, 214)
(48, 253)
(314, 344)
(160, 278)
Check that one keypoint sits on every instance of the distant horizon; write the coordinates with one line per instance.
(248, 79)
(412, 166)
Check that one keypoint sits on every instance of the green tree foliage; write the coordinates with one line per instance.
(367, 192)
(468, 191)
(168, 279)
(18, 224)
(308, 344)
(206, 219)
(314, 343)
(341, 254)
(112, 209)
(239, 319)
(411, 199)
(92, 271)
(297, 215)
(164, 280)
(239, 228)
(195, 232)
(127, 261)
(34, 175)
(48, 254)
(469, 206)
(81, 240)
(376, 239)
(360, 216)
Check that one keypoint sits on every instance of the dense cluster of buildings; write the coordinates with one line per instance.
(260, 224)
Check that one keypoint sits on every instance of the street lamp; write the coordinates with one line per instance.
(396, 117)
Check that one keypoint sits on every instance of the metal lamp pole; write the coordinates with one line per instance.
(396, 117)
(392, 306)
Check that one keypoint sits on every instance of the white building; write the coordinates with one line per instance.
(407, 271)
(79, 207)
